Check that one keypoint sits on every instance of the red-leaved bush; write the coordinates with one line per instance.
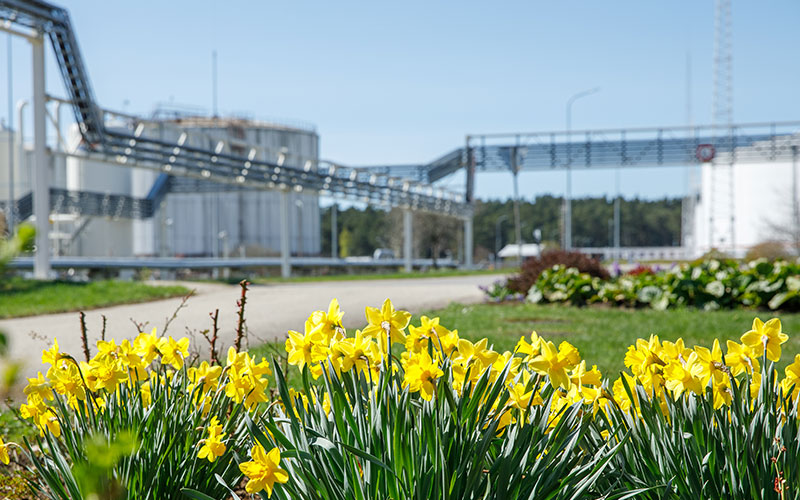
(532, 267)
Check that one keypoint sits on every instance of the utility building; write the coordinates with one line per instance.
(192, 217)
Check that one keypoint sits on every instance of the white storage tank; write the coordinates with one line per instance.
(196, 218)
(764, 197)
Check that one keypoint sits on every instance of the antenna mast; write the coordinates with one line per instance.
(722, 204)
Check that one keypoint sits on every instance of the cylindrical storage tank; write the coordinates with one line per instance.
(761, 198)
(104, 236)
(208, 219)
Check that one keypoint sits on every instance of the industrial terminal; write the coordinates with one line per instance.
(184, 189)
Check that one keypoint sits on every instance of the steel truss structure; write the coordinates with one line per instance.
(221, 167)
(612, 148)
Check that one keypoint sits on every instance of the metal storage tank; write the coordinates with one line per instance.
(97, 236)
(200, 218)
(21, 175)
(764, 199)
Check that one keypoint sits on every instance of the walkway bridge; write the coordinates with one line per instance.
(611, 148)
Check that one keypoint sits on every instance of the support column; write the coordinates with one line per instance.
(795, 203)
(568, 211)
(468, 242)
(286, 267)
(617, 218)
(407, 240)
(334, 231)
(517, 221)
(41, 186)
(11, 144)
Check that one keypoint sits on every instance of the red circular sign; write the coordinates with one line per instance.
(705, 152)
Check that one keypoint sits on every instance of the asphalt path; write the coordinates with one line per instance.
(271, 311)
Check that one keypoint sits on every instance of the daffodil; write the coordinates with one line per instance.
(104, 373)
(386, 323)
(52, 356)
(173, 352)
(766, 337)
(684, 377)
(39, 386)
(556, 364)
(740, 358)
(360, 352)
(792, 379)
(307, 349)
(624, 400)
(529, 350)
(212, 446)
(421, 373)
(130, 359)
(328, 323)
(107, 348)
(146, 345)
(4, 452)
(264, 470)
(711, 362)
(44, 418)
(204, 375)
(67, 381)
(581, 376)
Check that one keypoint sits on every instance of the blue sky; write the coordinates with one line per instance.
(404, 82)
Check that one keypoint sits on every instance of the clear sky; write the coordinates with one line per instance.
(404, 82)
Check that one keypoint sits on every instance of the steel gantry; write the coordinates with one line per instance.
(41, 19)
(607, 148)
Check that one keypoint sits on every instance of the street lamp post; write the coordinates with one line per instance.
(568, 196)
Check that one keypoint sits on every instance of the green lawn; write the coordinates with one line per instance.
(19, 297)
(603, 335)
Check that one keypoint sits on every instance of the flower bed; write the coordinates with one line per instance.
(711, 284)
(414, 410)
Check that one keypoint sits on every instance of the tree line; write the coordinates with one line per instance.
(643, 223)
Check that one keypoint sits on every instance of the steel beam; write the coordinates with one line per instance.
(407, 240)
(468, 243)
(334, 231)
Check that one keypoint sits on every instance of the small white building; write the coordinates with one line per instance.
(512, 251)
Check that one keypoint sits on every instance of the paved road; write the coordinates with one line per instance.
(271, 311)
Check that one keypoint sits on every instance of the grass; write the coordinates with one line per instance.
(603, 335)
(435, 273)
(20, 297)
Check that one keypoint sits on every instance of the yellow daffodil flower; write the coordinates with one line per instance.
(263, 471)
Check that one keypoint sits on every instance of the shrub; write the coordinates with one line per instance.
(709, 285)
(533, 267)
(770, 250)
(498, 291)
(640, 269)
